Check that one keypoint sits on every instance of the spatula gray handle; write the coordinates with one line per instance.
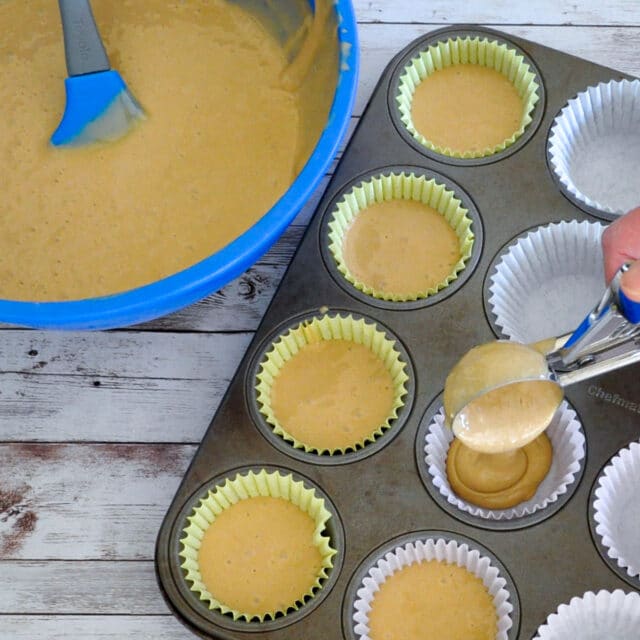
(84, 50)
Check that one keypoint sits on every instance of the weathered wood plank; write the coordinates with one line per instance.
(241, 304)
(80, 588)
(77, 502)
(75, 408)
(119, 354)
(124, 386)
(585, 12)
(26, 627)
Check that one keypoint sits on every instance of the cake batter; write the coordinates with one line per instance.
(466, 108)
(258, 556)
(432, 601)
(506, 417)
(401, 247)
(332, 394)
(499, 480)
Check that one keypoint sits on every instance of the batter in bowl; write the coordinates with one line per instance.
(229, 126)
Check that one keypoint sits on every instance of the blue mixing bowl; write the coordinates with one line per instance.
(209, 275)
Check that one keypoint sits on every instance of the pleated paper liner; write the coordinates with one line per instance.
(425, 549)
(604, 615)
(594, 148)
(481, 51)
(242, 487)
(567, 441)
(616, 509)
(399, 186)
(546, 283)
(331, 327)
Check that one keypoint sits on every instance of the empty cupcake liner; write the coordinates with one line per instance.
(402, 186)
(567, 440)
(617, 509)
(481, 51)
(241, 487)
(329, 327)
(424, 550)
(595, 616)
(594, 147)
(548, 281)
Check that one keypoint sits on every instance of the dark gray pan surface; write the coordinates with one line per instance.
(382, 496)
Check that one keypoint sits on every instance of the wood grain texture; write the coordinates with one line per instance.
(502, 12)
(80, 588)
(95, 627)
(124, 386)
(85, 502)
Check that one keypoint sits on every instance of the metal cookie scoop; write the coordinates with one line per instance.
(607, 339)
(502, 395)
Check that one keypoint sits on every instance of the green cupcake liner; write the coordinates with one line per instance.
(488, 53)
(241, 487)
(327, 327)
(403, 186)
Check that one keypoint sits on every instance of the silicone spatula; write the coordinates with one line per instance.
(99, 105)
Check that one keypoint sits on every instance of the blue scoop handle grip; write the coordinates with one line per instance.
(630, 308)
(84, 50)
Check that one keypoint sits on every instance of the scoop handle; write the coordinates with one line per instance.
(84, 50)
(630, 307)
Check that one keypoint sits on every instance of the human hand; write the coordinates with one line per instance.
(620, 244)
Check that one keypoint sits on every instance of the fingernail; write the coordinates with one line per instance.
(631, 282)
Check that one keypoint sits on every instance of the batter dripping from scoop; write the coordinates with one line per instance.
(511, 414)
(499, 397)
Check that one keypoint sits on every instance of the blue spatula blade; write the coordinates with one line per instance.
(89, 98)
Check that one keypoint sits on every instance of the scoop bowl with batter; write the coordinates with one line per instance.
(502, 395)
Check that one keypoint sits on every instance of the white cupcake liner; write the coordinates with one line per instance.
(617, 509)
(548, 281)
(594, 147)
(423, 550)
(568, 444)
(611, 615)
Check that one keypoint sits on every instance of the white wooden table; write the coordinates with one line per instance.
(96, 430)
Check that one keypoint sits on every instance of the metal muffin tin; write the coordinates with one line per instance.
(378, 492)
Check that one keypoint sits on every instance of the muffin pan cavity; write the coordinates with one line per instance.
(546, 281)
(381, 485)
(350, 329)
(615, 513)
(402, 184)
(222, 492)
(430, 546)
(604, 614)
(567, 467)
(447, 50)
(594, 148)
